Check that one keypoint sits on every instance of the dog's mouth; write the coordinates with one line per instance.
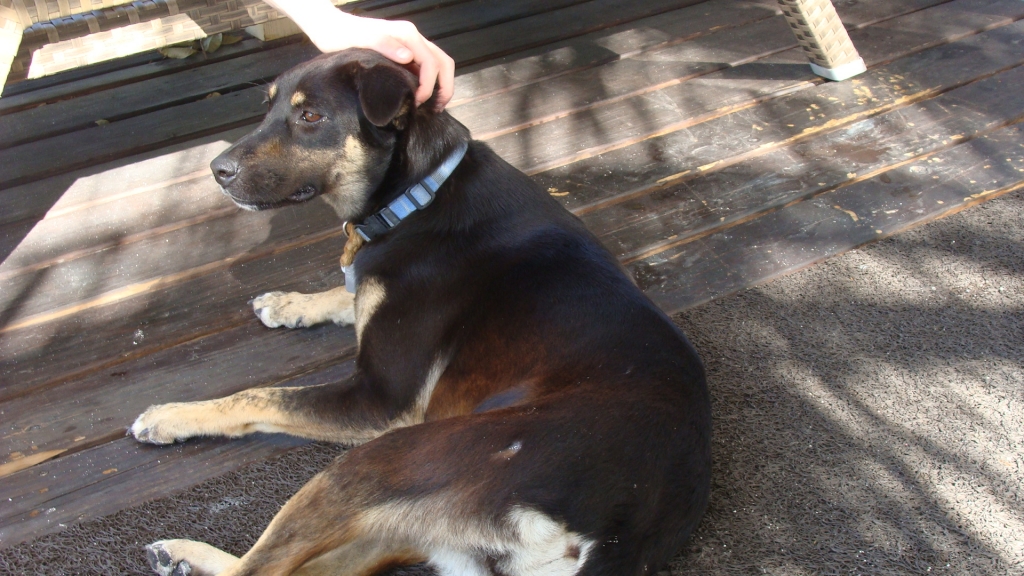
(307, 192)
(304, 194)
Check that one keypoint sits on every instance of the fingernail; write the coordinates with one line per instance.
(404, 53)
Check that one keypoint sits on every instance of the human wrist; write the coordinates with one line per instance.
(314, 17)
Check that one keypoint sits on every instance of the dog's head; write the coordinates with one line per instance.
(331, 131)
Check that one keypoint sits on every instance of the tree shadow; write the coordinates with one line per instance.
(866, 423)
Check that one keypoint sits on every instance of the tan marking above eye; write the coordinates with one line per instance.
(298, 98)
(272, 91)
(311, 116)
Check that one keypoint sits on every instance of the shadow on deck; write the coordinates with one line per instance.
(691, 137)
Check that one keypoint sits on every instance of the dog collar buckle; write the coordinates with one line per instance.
(417, 197)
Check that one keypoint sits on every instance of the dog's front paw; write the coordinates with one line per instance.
(159, 425)
(276, 309)
(163, 560)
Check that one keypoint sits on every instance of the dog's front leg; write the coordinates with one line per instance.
(349, 412)
(296, 310)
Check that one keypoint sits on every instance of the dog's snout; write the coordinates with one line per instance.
(225, 170)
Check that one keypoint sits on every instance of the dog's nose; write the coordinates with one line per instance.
(224, 170)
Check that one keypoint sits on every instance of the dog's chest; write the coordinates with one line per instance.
(369, 298)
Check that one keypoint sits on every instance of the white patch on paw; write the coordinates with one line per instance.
(295, 310)
(187, 558)
(156, 425)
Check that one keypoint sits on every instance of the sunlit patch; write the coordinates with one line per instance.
(509, 452)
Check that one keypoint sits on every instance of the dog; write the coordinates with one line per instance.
(518, 407)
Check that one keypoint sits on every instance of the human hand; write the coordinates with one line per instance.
(331, 30)
(401, 42)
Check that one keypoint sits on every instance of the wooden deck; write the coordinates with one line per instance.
(690, 136)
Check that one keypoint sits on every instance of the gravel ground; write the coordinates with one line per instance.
(869, 419)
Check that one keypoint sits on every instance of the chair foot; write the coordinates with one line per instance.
(841, 72)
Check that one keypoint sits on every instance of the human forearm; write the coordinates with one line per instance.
(331, 29)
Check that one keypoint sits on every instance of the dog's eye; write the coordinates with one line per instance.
(311, 117)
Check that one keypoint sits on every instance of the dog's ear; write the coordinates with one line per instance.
(385, 93)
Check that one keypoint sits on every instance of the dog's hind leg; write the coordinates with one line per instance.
(187, 558)
(328, 527)
(191, 558)
(295, 310)
(457, 494)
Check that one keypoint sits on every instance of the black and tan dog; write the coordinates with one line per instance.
(521, 407)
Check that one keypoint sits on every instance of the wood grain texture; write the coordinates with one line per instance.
(101, 405)
(137, 99)
(621, 123)
(104, 331)
(139, 67)
(795, 170)
(80, 82)
(27, 315)
(119, 474)
(810, 231)
(30, 161)
(808, 129)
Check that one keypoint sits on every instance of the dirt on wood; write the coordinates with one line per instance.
(869, 419)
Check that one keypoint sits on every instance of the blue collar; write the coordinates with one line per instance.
(418, 197)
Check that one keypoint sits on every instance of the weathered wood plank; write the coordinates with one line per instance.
(478, 14)
(627, 78)
(74, 83)
(25, 491)
(170, 311)
(650, 166)
(192, 84)
(117, 475)
(152, 172)
(113, 140)
(140, 67)
(686, 23)
(806, 130)
(97, 407)
(112, 476)
(623, 123)
(569, 93)
(36, 198)
(34, 160)
(810, 231)
(51, 240)
(632, 39)
(215, 236)
(97, 144)
(629, 172)
(545, 28)
(138, 98)
(395, 8)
